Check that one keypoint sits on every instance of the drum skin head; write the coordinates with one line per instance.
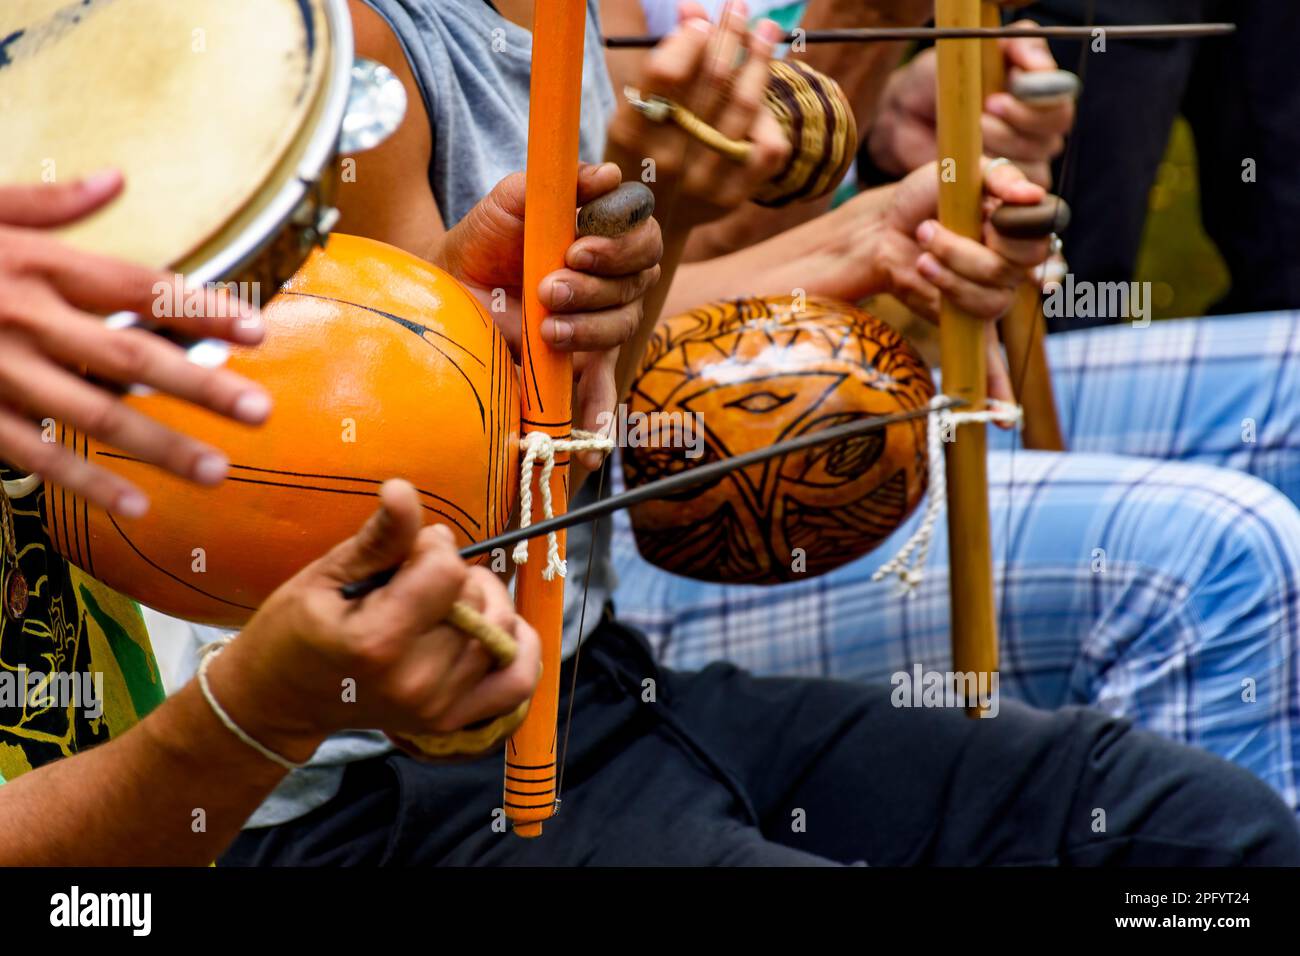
(743, 375)
(381, 366)
(195, 102)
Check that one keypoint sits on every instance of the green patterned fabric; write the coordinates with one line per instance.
(75, 632)
(787, 16)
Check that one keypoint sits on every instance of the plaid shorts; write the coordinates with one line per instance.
(1151, 572)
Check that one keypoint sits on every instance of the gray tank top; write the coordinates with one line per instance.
(472, 66)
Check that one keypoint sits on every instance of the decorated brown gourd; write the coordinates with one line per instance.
(738, 375)
(380, 366)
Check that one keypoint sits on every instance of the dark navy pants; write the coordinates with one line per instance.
(1241, 96)
(725, 768)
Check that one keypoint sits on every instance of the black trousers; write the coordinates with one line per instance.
(1241, 96)
(722, 768)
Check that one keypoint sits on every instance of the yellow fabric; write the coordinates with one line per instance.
(12, 761)
(124, 704)
(84, 646)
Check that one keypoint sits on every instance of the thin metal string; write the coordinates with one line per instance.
(582, 626)
(1017, 384)
(1067, 167)
(1018, 380)
(715, 45)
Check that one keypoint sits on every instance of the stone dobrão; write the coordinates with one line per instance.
(744, 374)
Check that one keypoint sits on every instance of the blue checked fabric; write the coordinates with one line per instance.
(1151, 571)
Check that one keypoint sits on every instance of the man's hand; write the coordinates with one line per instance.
(285, 682)
(904, 137)
(720, 74)
(920, 260)
(51, 335)
(925, 259)
(283, 679)
(596, 301)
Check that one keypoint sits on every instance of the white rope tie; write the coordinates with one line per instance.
(908, 565)
(539, 445)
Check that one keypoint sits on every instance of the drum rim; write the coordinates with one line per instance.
(322, 147)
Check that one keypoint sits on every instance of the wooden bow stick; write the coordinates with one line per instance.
(961, 348)
(555, 100)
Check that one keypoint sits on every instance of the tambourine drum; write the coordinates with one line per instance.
(382, 366)
(735, 376)
(224, 116)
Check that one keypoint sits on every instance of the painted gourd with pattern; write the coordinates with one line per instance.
(380, 366)
(753, 372)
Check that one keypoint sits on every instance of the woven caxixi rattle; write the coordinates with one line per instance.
(814, 114)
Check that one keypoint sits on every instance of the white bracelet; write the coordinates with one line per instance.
(207, 653)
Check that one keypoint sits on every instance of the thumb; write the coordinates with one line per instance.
(486, 247)
(1028, 53)
(44, 206)
(915, 198)
(690, 10)
(504, 206)
(1008, 182)
(384, 540)
(595, 180)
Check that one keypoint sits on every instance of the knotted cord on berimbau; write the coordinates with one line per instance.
(539, 446)
(908, 564)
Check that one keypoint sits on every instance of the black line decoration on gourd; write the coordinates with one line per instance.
(382, 366)
(751, 372)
